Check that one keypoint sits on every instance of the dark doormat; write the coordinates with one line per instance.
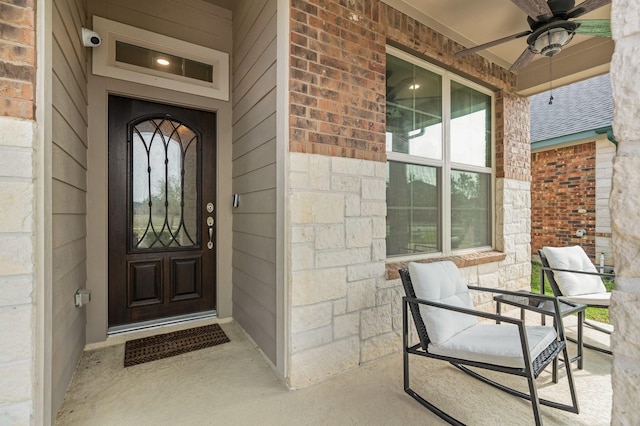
(178, 342)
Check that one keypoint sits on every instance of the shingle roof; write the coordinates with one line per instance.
(578, 107)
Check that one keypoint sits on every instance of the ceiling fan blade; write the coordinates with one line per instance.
(465, 52)
(522, 60)
(585, 7)
(594, 27)
(538, 10)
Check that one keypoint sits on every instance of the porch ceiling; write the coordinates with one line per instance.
(471, 23)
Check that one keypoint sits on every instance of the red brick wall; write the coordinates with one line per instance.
(513, 147)
(564, 181)
(17, 58)
(337, 81)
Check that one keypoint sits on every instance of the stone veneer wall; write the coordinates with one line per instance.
(344, 309)
(17, 205)
(625, 214)
(564, 181)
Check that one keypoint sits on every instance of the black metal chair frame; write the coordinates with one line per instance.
(532, 367)
(547, 270)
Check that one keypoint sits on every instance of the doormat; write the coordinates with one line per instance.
(178, 342)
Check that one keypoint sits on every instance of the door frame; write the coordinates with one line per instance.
(97, 192)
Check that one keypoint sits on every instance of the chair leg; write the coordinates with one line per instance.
(572, 389)
(533, 392)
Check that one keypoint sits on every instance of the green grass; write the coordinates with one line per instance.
(596, 314)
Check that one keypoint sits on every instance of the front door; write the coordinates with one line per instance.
(162, 182)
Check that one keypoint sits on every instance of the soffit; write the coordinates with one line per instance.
(471, 23)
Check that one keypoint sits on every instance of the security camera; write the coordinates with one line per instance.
(90, 38)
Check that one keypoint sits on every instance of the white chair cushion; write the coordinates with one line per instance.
(596, 299)
(497, 344)
(576, 259)
(441, 282)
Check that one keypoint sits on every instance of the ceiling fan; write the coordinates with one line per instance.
(551, 27)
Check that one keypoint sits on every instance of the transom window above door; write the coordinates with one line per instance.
(439, 151)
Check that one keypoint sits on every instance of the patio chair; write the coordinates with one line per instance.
(573, 278)
(448, 329)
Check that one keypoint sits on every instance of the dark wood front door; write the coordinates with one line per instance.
(162, 181)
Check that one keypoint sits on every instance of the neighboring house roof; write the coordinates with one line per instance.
(577, 111)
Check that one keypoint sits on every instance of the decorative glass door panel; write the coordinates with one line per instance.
(164, 170)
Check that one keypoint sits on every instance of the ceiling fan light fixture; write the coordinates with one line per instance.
(551, 42)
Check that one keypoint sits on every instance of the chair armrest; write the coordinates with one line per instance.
(553, 300)
(474, 312)
(509, 292)
(600, 274)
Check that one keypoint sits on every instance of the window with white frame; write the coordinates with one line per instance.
(439, 168)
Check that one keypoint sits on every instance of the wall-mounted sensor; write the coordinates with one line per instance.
(90, 38)
(236, 201)
(581, 232)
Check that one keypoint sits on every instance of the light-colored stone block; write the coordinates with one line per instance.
(15, 162)
(311, 339)
(299, 180)
(312, 365)
(369, 270)
(305, 318)
(373, 208)
(16, 333)
(15, 132)
(358, 232)
(329, 237)
(374, 189)
(378, 250)
(316, 208)
(302, 257)
(379, 346)
(16, 290)
(329, 259)
(375, 321)
(320, 172)
(392, 295)
(302, 234)
(298, 162)
(16, 206)
(340, 306)
(16, 414)
(345, 184)
(15, 255)
(352, 205)
(379, 227)
(321, 285)
(346, 325)
(15, 382)
(361, 294)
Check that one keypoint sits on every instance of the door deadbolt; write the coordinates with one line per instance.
(210, 207)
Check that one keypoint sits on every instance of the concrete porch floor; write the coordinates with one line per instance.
(232, 384)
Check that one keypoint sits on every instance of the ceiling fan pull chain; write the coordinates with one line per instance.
(550, 82)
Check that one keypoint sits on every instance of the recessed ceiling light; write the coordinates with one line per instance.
(162, 61)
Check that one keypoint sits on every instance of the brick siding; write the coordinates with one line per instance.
(564, 181)
(17, 59)
(337, 81)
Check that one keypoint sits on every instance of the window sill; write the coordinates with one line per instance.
(461, 261)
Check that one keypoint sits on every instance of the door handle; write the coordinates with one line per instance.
(210, 226)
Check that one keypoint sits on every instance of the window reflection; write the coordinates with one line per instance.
(413, 209)
(470, 212)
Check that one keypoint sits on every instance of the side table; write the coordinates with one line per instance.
(546, 307)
